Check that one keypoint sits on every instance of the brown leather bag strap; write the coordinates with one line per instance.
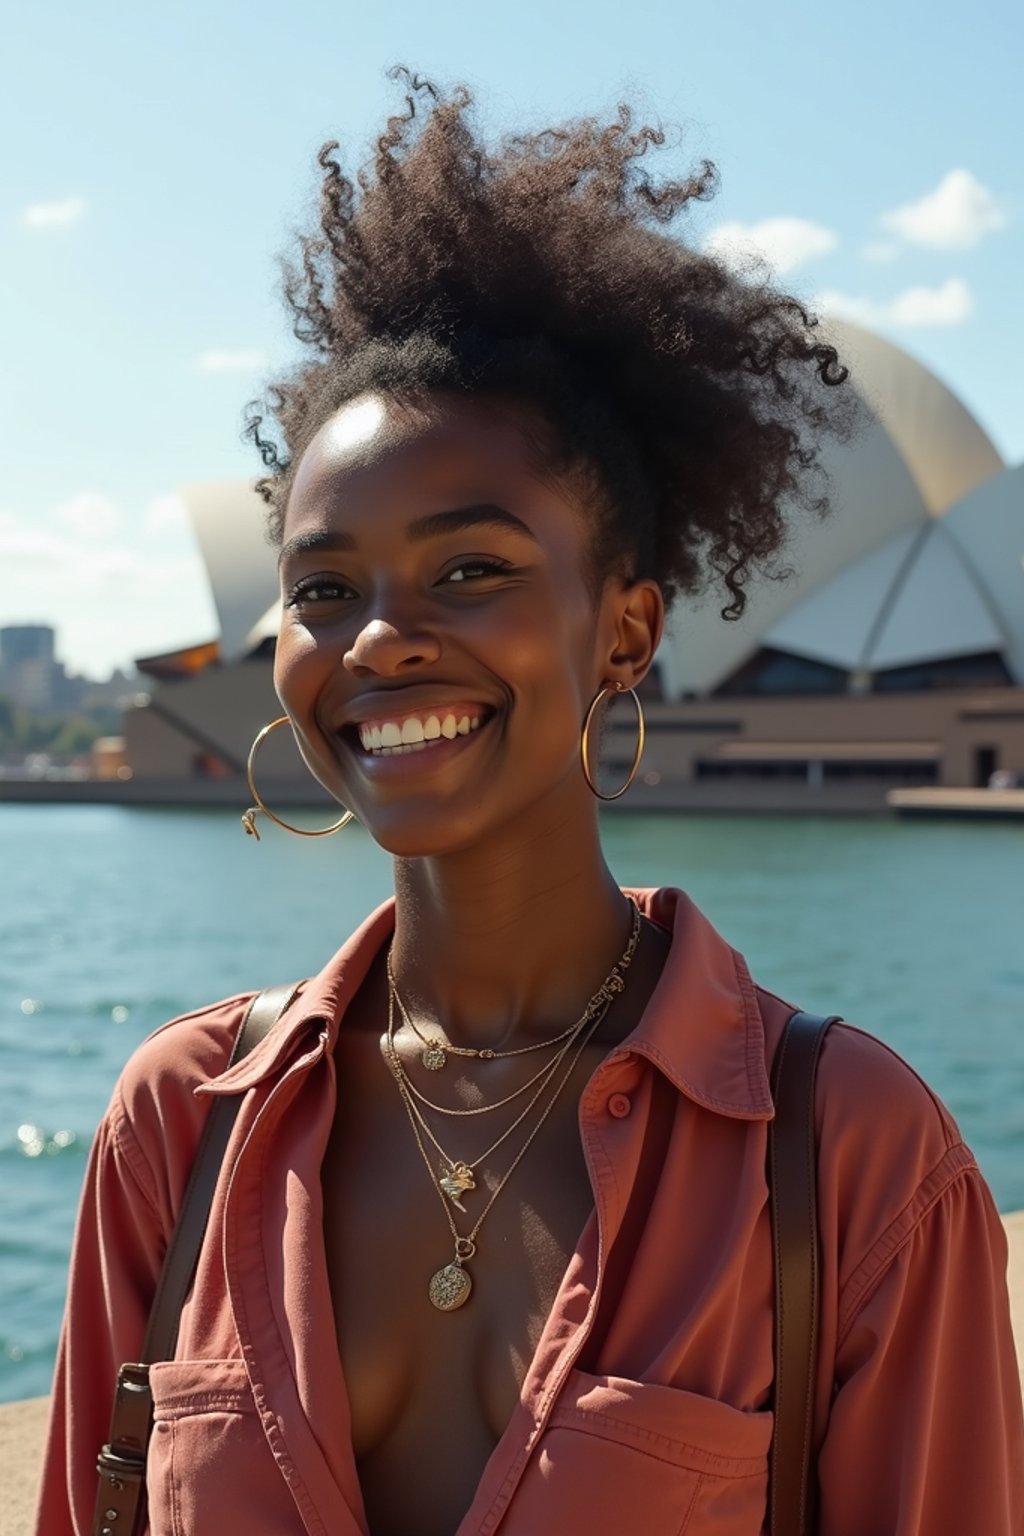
(183, 1253)
(120, 1499)
(793, 1188)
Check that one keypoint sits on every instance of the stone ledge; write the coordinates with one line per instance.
(23, 1425)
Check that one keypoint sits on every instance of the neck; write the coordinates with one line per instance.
(508, 942)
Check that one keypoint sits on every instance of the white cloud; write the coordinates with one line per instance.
(951, 303)
(957, 215)
(166, 514)
(880, 250)
(56, 215)
(20, 546)
(784, 243)
(108, 604)
(115, 586)
(223, 360)
(44, 560)
(91, 516)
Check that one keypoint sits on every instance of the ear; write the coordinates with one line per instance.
(635, 623)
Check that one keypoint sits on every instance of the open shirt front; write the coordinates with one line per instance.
(646, 1406)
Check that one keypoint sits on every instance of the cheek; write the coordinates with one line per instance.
(299, 669)
(549, 662)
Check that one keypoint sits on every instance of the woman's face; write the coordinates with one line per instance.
(440, 641)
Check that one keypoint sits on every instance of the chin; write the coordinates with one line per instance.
(427, 833)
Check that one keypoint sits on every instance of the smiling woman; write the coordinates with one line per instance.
(491, 1243)
(437, 587)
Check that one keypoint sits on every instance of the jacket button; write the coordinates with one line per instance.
(619, 1106)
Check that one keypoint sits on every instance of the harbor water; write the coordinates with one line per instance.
(114, 919)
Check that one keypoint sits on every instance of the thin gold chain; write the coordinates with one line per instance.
(612, 984)
(481, 1109)
(486, 1054)
(549, 1072)
(469, 1242)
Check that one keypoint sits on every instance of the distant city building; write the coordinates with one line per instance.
(32, 678)
(894, 656)
(26, 642)
(29, 673)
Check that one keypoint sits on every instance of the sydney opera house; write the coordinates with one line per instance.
(894, 656)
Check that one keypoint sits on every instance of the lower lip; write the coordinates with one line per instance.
(411, 764)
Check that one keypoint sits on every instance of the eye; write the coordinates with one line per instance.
(477, 569)
(318, 589)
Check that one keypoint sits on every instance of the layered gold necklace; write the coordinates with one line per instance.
(450, 1286)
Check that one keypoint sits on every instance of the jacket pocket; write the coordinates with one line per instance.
(626, 1455)
(210, 1471)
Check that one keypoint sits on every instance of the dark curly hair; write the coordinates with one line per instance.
(687, 400)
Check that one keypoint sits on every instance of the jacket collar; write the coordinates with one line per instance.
(321, 1002)
(702, 1026)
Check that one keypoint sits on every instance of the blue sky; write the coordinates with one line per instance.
(158, 156)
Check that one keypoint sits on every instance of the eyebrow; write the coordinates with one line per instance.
(433, 526)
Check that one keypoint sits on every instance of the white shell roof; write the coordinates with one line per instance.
(265, 628)
(988, 526)
(873, 496)
(945, 449)
(934, 609)
(912, 599)
(918, 453)
(229, 520)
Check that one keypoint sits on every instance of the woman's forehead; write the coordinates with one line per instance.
(440, 446)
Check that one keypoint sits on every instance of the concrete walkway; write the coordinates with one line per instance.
(22, 1425)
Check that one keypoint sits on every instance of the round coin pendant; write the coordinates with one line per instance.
(434, 1057)
(450, 1287)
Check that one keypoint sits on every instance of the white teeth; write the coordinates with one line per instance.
(413, 735)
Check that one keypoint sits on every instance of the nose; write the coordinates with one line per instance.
(383, 649)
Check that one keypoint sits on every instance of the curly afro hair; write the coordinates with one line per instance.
(688, 402)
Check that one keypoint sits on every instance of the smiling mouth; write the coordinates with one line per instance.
(419, 732)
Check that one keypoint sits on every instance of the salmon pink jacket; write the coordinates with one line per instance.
(646, 1407)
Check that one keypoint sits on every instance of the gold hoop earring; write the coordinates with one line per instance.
(641, 736)
(249, 819)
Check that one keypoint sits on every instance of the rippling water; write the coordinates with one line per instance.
(115, 919)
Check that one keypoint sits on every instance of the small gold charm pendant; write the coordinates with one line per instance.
(450, 1288)
(434, 1056)
(456, 1181)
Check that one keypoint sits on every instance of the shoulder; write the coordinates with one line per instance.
(860, 1077)
(183, 1053)
(155, 1118)
(888, 1147)
(145, 1144)
(867, 1091)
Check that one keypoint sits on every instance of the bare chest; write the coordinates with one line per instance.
(431, 1392)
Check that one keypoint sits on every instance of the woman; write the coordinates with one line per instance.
(491, 1245)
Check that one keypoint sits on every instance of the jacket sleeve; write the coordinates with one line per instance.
(118, 1250)
(925, 1435)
